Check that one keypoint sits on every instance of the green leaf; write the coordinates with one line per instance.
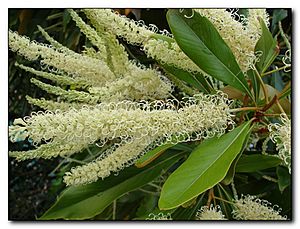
(231, 172)
(268, 46)
(206, 166)
(278, 15)
(83, 202)
(255, 83)
(277, 81)
(196, 80)
(148, 204)
(182, 213)
(225, 195)
(284, 102)
(232, 92)
(284, 178)
(152, 155)
(255, 162)
(200, 41)
(286, 91)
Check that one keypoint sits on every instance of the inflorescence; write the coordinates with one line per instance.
(136, 125)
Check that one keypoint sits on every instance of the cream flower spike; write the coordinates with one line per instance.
(159, 216)
(252, 208)
(93, 70)
(241, 34)
(112, 160)
(137, 33)
(210, 213)
(174, 121)
(280, 134)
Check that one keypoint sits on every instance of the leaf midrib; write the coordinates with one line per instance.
(218, 59)
(79, 202)
(196, 179)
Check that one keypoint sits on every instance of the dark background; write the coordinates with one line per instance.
(34, 185)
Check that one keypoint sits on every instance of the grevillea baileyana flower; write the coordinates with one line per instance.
(159, 216)
(281, 135)
(173, 120)
(96, 73)
(240, 33)
(137, 33)
(252, 208)
(210, 213)
(147, 84)
(138, 126)
(48, 151)
(112, 160)
(52, 105)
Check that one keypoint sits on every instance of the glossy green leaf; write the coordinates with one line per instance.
(152, 155)
(277, 81)
(206, 166)
(231, 172)
(284, 178)
(255, 83)
(189, 213)
(148, 204)
(83, 202)
(267, 45)
(256, 162)
(286, 91)
(278, 15)
(284, 102)
(200, 41)
(196, 80)
(232, 92)
(225, 195)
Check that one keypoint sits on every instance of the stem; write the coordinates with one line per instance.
(272, 71)
(58, 166)
(154, 185)
(50, 27)
(272, 114)
(235, 195)
(270, 178)
(218, 198)
(245, 109)
(89, 151)
(181, 85)
(270, 104)
(54, 16)
(262, 85)
(210, 196)
(73, 160)
(284, 90)
(280, 107)
(286, 40)
(149, 192)
(114, 210)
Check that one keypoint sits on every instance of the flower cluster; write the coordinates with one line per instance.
(108, 73)
(93, 71)
(138, 126)
(252, 208)
(112, 160)
(159, 216)
(172, 120)
(240, 33)
(281, 135)
(210, 213)
(136, 32)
